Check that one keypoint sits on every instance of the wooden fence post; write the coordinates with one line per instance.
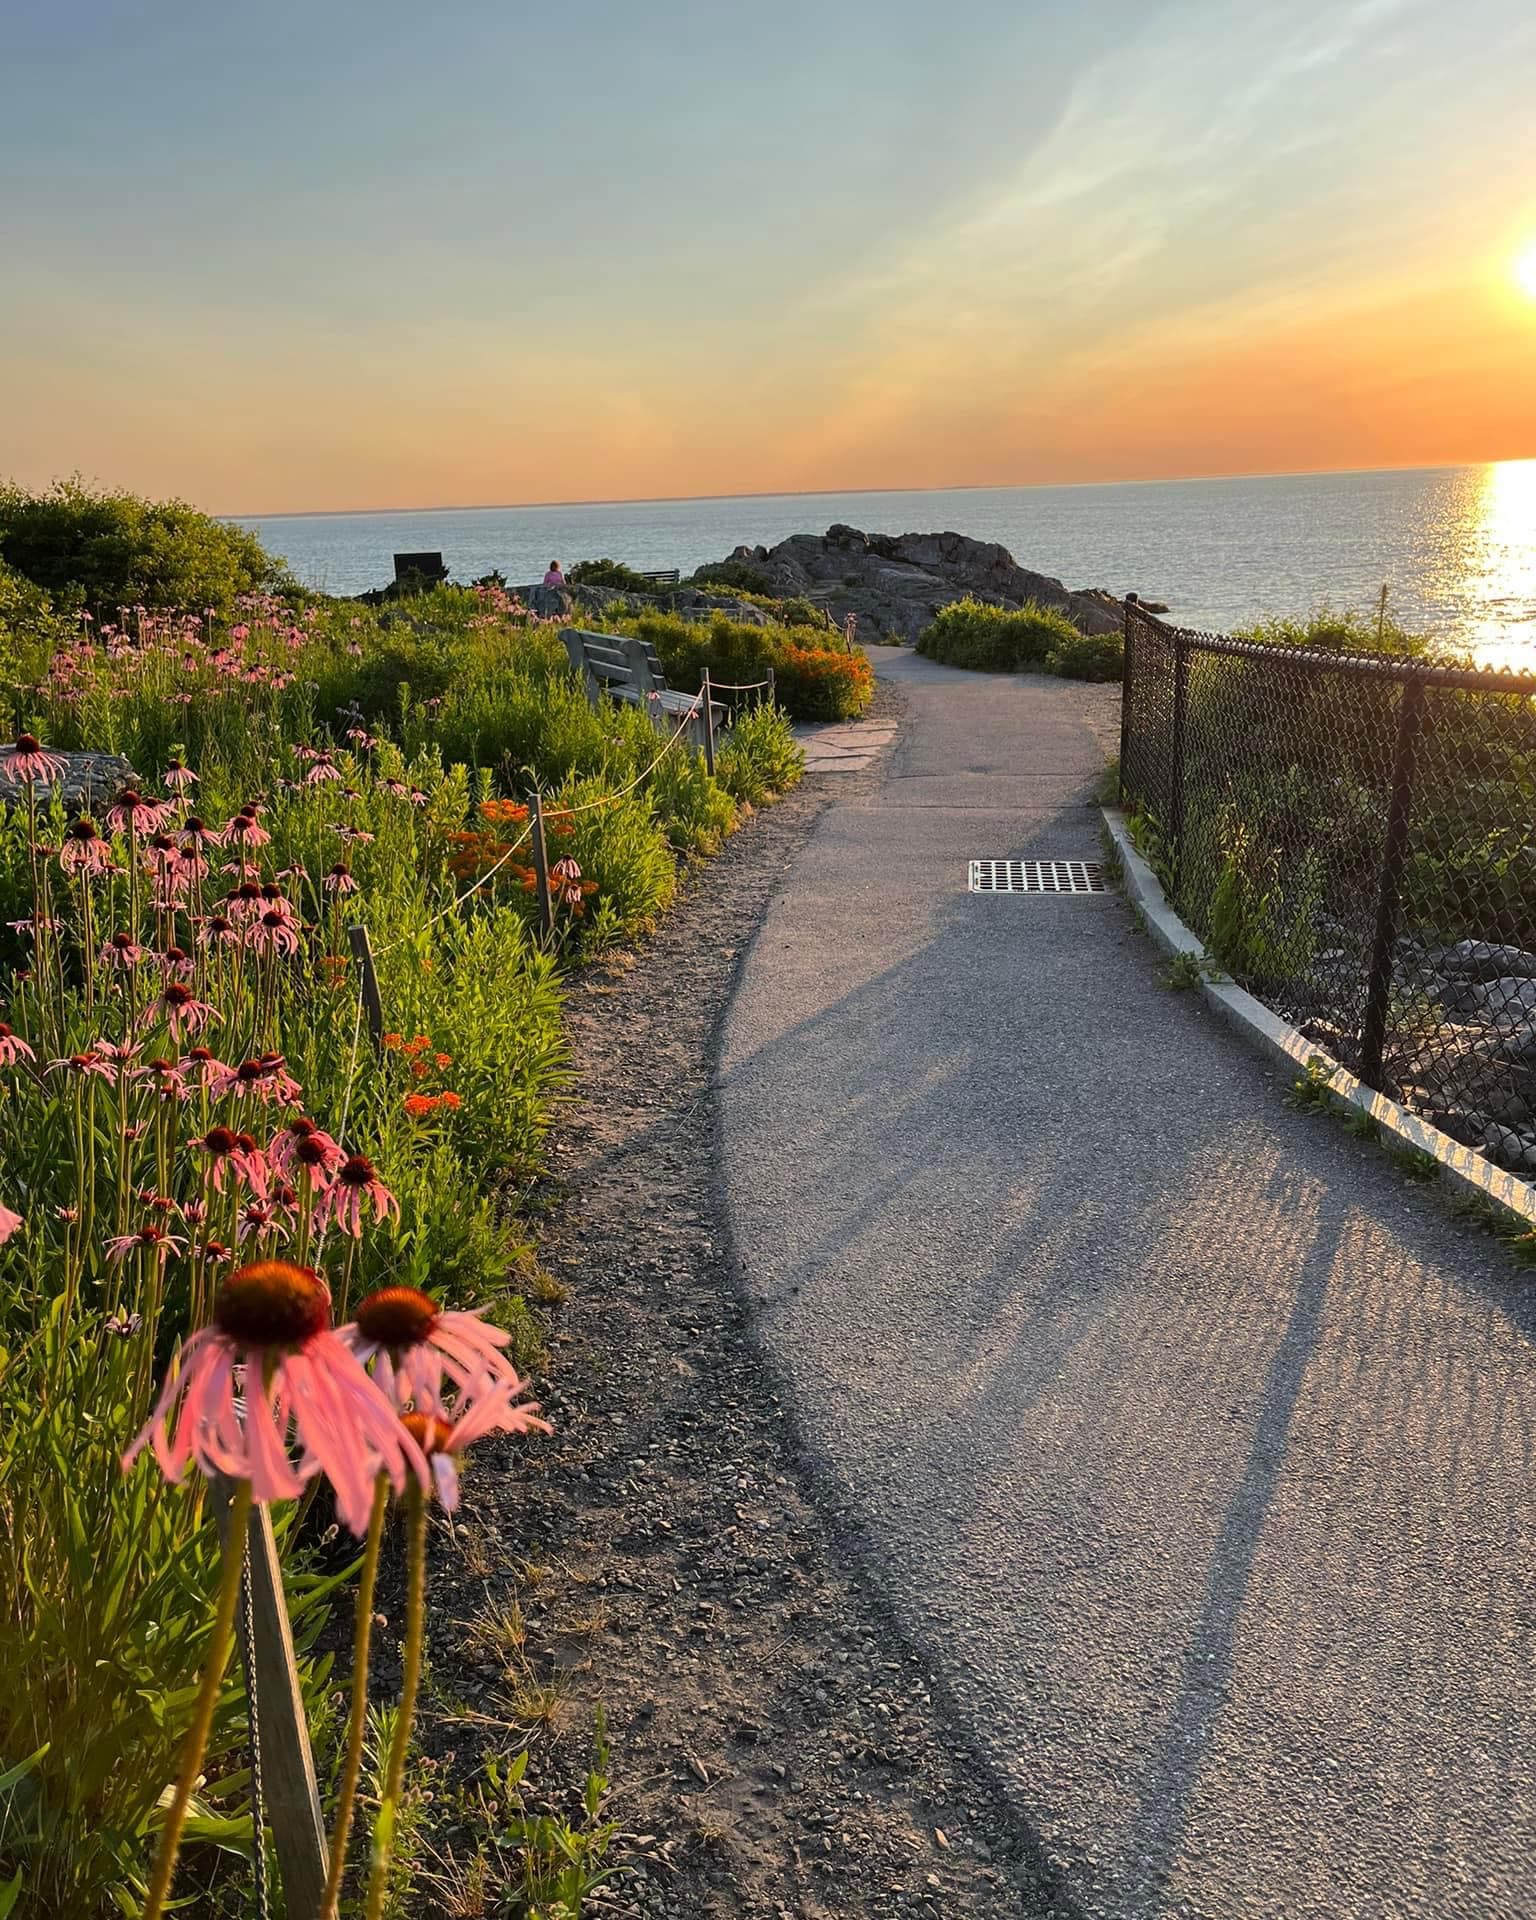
(709, 726)
(277, 1718)
(541, 863)
(368, 981)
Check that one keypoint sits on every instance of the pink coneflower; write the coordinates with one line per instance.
(565, 870)
(122, 951)
(69, 1215)
(302, 1146)
(418, 798)
(183, 1013)
(176, 964)
(245, 902)
(166, 1077)
(85, 850)
(201, 1066)
(443, 1440)
(218, 930)
(132, 813)
(197, 836)
(267, 1078)
(339, 879)
(85, 1066)
(274, 932)
(29, 761)
(415, 1346)
(355, 1183)
(271, 1344)
(150, 1238)
(177, 777)
(9, 1224)
(397, 788)
(361, 738)
(123, 1325)
(321, 768)
(245, 831)
(357, 835)
(13, 1047)
(258, 1217)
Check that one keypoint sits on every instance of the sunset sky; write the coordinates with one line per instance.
(349, 253)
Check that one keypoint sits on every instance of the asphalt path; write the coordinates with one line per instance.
(1188, 1440)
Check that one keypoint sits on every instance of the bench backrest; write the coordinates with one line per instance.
(615, 660)
(663, 576)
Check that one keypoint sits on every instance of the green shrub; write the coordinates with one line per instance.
(811, 683)
(29, 630)
(740, 576)
(969, 633)
(761, 757)
(1328, 632)
(1087, 656)
(610, 573)
(105, 550)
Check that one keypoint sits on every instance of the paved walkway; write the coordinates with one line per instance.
(1191, 1443)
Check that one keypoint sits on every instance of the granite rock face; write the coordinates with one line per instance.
(89, 781)
(895, 583)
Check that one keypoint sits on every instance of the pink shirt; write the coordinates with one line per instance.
(554, 578)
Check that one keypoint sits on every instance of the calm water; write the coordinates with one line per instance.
(1457, 545)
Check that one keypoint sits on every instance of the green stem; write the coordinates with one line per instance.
(214, 1663)
(415, 1610)
(362, 1632)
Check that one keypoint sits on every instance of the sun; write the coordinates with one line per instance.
(1525, 271)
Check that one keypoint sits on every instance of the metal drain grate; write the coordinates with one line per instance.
(1037, 876)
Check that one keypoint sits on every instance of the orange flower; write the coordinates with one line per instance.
(449, 1100)
(503, 813)
(392, 1041)
(419, 1105)
(444, 1060)
(419, 1044)
(419, 1069)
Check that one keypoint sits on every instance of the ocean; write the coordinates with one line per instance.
(1455, 546)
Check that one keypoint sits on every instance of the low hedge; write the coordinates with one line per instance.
(811, 683)
(970, 633)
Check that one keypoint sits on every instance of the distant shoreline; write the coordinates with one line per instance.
(841, 493)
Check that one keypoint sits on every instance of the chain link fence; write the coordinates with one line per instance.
(1354, 839)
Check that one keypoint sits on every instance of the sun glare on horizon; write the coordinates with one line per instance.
(1525, 271)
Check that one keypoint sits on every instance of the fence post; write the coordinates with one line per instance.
(1378, 992)
(1180, 728)
(772, 692)
(541, 863)
(368, 980)
(1125, 693)
(709, 726)
(277, 1707)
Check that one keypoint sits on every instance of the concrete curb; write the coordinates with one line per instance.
(1250, 1018)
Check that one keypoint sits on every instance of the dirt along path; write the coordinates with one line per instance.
(777, 1748)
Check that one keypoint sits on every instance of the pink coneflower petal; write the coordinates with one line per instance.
(13, 1047)
(9, 1223)
(29, 761)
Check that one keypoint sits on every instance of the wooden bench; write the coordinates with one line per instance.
(628, 669)
(663, 576)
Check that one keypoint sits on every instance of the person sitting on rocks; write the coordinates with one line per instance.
(554, 577)
(550, 597)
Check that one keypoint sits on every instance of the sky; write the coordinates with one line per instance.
(351, 253)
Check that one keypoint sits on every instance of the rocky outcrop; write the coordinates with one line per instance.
(895, 583)
(88, 780)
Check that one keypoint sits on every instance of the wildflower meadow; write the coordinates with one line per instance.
(256, 1248)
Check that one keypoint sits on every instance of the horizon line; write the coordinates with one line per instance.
(831, 493)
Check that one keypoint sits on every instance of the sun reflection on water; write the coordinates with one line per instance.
(1500, 579)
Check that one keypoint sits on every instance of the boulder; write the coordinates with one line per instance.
(89, 780)
(895, 583)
